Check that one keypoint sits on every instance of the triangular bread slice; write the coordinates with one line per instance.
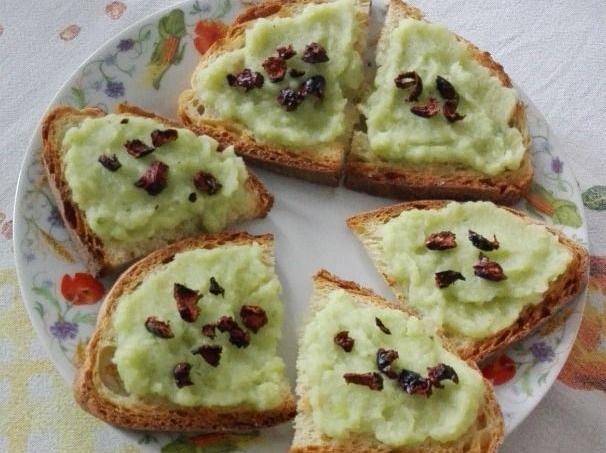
(409, 181)
(484, 435)
(320, 162)
(562, 290)
(101, 257)
(98, 386)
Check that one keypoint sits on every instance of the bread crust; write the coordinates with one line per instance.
(561, 291)
(321, 164)
(90, 389)
(485, 436)
(97, 258)
(442, 181)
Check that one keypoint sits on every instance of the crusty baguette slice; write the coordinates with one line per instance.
(98, 388)
(98, 257)
(445, 181)
(484, 436)
(561, 291)
(319, 163)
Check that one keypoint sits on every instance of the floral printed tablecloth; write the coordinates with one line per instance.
(553, 50)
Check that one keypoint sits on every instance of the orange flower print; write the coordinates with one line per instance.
(500, 371)
(114, 10)
(586, 365)
(81, 289)
(207, 32)
(69, 32)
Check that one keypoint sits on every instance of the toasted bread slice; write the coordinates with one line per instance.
(561, 291)
(99, 257)
(409, 181)
(321, 163)
(99, 389)
(484, 435)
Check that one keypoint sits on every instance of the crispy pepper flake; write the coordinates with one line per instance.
(314, 53)
(446, 90)
(209, 330)
(441, 372)
(110, 162)
(124, 121)
(483, 243)
(215, 288)
(385, 358)
(181, 374)
(446, 278)
(343, 340)
(410, 79)
(314, 86)
(246, 79)
(489, 270)
(187, 302)
(275, 68)
(289, 99)
(206, 183)
(381, 326)
(449, 109)
(160, 138)
(373, 381)
(211, 354)
(158, 328)
(137, 148)
(153, 180)
(432, 108)
(192, 197)
(414, 384)
(253, 317)
(295, 73)
(237, 336)
(286, 52)
(443, 240)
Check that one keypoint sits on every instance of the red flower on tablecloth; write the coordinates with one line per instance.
(69, 32)
(114, 10)
(207, 32)
(500, 371)
(81, 289)
(586, 365)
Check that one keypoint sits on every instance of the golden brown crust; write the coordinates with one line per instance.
(90, 389)
(562, 291)
(97, 257)
(321, 164)
(443, 181)
(485, 436)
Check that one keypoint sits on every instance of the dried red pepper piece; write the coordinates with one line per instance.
(489, 270)
(237, 336)
(444, 279)
(206, 183)
(295, 73)
(137, 148)
(314, 86)
(192, 197)
(443, 240)
(410, 79)
(110, 162)
(441, 372)
(385, 358)
(246, 79)
(154, 179)
(215, 288)
(483, 243)
(187, 302)
(286, 52)
(449, 109)
(275, 68)
(414, 384)
(208, 330)
(381, 326)
(343, 340)
(181, 374)
(289, 99)
(160, 137)
(158, 328)
(253, 317)
(211, 354)
(124, 121)
(446, 90)
(314, 53)
(373, 381)
(431, 108)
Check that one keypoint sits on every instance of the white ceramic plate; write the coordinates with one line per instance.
(308, 222)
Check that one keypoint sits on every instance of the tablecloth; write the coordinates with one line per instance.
(554, 50)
